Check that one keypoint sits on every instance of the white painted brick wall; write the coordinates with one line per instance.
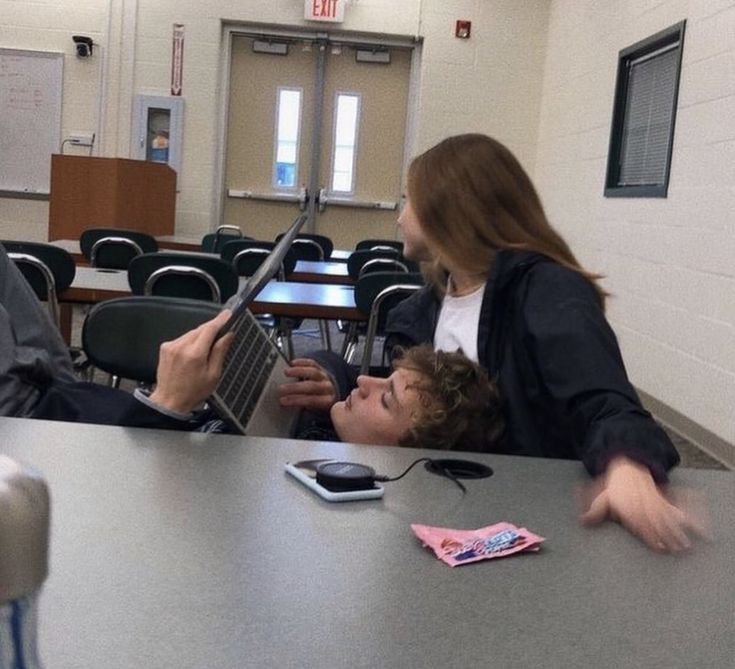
(669, 262)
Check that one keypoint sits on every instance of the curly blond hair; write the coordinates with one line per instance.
(459, 407)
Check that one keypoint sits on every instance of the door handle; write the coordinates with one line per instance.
(303, 198)
(322, 199)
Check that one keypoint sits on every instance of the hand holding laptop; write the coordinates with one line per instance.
(189, 368)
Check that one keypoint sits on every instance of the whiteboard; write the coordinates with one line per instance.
(30, 118)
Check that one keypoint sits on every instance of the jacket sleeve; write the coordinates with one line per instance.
(581, 372)
(32, 352)
(92, 403)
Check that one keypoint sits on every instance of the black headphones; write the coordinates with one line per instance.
(344, 476)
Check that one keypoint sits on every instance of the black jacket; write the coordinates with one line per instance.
(545, 341)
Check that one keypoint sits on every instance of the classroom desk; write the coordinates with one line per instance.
(312, 271)
(281, 298)
(182, 551)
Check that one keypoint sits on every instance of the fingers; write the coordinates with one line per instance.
(219, 353)
(206, 333)
(305, 388)
(305, 369)
(598, 510)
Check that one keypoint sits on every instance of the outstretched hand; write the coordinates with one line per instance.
(189, 367)
(627, 493)
(313, 390)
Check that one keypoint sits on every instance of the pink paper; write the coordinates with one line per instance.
(457, 547)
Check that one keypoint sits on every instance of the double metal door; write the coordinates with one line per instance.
(318, 126)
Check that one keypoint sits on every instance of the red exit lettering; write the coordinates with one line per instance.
(325, 8)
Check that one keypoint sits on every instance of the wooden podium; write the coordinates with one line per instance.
(89, 192)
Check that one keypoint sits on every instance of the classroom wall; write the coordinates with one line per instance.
(670, 263)
(47, 25)
(490, 83)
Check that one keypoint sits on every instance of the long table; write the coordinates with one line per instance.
(182, 551)
(281, 298)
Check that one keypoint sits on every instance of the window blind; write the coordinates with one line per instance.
(648, 118)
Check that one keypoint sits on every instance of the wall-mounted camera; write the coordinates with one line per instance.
(83, 45)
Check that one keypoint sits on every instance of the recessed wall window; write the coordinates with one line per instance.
(288, 122)
(642, 131)
(346, 118)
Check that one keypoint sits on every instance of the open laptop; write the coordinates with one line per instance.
(246, 396)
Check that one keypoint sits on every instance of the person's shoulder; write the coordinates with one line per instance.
(551, 281)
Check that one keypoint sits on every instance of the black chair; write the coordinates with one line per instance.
(213, 242)
(375, 295)
(358, 259)
(47, 268)
(182, 275)
(123, 336)
(308, 251)
(246, 255)
(379, 245)
(114, 248)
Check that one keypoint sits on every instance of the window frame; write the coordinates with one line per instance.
(673, 35)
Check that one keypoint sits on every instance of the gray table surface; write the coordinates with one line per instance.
(176, 550)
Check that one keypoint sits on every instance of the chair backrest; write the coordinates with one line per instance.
(123, 336)
(383, 265)
(175, 280)
(323, 241)
(179, 280)
(47, 268)
(376, 294)
(114, 248)
(213, 242)
(246, 255)
(307, 249)
(358, 258)
(379, 245)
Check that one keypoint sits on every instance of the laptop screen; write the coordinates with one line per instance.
(267, 270)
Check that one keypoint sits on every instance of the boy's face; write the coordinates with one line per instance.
(378, 411)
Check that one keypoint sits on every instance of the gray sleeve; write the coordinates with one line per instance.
(32, 352)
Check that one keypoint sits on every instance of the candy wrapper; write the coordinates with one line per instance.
(458, 547)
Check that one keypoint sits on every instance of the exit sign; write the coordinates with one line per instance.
(324, 10)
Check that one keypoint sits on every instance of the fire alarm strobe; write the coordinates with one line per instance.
(463, 29)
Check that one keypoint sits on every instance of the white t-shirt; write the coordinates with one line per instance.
(459, 320)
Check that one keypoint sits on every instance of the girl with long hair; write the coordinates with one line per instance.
(505, 288)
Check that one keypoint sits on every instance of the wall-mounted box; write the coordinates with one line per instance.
(158, 124)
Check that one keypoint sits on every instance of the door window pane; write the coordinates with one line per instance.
(347, 114)
(288, 121)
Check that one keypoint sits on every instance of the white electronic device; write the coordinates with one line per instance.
(305, 472)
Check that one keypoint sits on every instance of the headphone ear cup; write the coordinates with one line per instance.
(344, 476)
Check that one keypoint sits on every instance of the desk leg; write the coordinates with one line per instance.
(65, 314)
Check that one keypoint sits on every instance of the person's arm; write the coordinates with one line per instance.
(627, 493)
(581, 368)
(581, 378)
(189, 368)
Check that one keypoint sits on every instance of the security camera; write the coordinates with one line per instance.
(84, 45)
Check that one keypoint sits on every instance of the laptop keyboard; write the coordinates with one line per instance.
(248, 366)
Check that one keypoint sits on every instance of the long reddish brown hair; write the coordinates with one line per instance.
(472, 199)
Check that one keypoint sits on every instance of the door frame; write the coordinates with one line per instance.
(265, 30)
